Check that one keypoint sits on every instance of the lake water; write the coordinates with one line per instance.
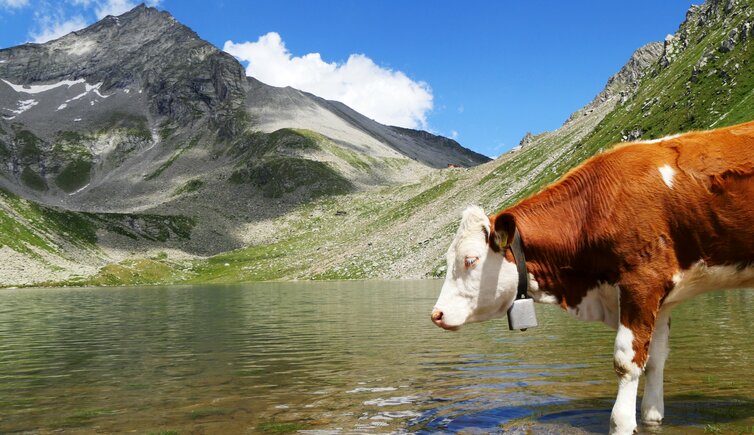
(342, 357)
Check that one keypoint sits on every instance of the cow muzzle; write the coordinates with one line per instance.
(437, 319)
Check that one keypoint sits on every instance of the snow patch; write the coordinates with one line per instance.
(73, 193)
(3, 61)
(77, 120)
(126, 90)
(23, 106)
(95, 88)
(36, 89)
(61, 107)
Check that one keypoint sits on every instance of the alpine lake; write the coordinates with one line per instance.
(343, 358)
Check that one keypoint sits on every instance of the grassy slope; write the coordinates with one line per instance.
(403, 231)
(668, 101)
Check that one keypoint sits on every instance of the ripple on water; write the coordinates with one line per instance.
(236, 358)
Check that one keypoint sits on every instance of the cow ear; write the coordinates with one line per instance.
(501, 235)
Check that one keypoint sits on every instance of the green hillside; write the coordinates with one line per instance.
(702, 78)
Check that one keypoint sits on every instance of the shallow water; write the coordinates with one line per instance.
(342, 357)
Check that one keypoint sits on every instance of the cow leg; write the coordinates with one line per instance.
(638, 309)
(652, 405)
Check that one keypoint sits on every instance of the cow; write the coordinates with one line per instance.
(622, 239)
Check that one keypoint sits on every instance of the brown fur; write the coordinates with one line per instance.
(613, 219)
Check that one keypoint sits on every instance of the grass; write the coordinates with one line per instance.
(409, 207)
(74, 175)
(189, 187)
(280, 428)
(33, 180)
(278, 176)
(80, 418)
(132, 125)
(169, 162)
(131, 272)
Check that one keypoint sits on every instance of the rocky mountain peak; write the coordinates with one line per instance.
(145, 23)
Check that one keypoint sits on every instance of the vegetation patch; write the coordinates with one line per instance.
(189, 187)
(208, 412)
(29, 146)
(33, 180)
(278, 176)
(133, 272)
(81, 418)
(275, 427)
(157, 228)
(409, 207)
(169, 162)
(132, 125)
(74, 175)
(4, 150)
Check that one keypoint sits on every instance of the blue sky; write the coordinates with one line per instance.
(484, 72)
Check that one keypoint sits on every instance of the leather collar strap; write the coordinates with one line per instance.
(523, 274)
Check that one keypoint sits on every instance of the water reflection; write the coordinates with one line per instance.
(349, 357)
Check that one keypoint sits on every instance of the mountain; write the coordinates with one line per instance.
(700, 77)
(136, 103)
(135, 126)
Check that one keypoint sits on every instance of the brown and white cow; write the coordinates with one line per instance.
(621, 239)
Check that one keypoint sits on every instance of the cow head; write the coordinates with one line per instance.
(480, 283)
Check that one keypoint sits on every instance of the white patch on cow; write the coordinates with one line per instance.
(662, 139)
(668, 174)
(540, 296)
(701, 278)
(623, 417)
(484, 291)
(36, 89)
(600, 304)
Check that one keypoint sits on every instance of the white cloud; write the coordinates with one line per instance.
(52, 20)
(388, 96)
(454, 134)
(54, 27)
(13, 4)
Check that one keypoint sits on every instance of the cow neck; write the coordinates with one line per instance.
(554, 252)
(523, 274)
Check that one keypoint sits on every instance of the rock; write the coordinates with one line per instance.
(526, 140)
(632, 135)
(729, 43)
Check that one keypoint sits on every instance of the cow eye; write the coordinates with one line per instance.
(470, 262)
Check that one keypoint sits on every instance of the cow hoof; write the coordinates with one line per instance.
(622, 430)
(651, 417)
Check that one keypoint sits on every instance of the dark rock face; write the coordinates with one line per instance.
(144, 49)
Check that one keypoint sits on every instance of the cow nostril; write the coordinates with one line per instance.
(436, 315)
